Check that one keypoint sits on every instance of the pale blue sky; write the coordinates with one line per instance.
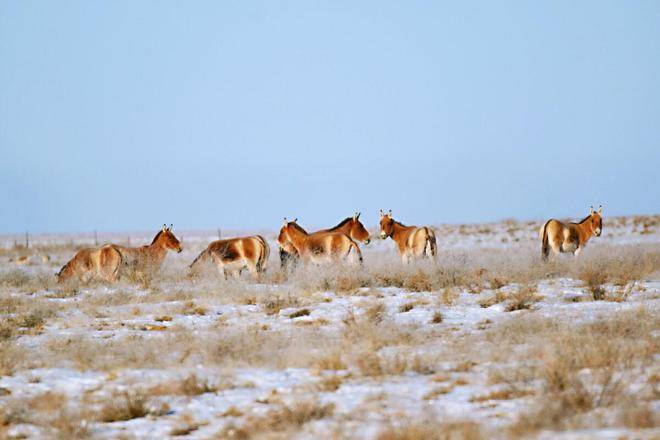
(127, 114)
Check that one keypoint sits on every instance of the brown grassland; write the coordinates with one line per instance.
(517, 348)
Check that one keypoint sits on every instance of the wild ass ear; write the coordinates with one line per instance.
(600, 209)
(389, 214)
(286, 222)
(295, 220)
(358, 215)
(171, 226)
(164, 227)
(355, 215)
(591, 211)
(382, 214)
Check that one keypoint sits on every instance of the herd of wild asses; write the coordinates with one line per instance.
(339, 243)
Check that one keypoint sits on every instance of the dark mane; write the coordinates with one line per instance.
(298, 227)
(583, 220)
(400, 224)
(342, 223)
(157, 236)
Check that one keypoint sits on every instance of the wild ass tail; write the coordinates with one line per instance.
(545, 247)
(431, 247)
(203, 256)
(263, 255)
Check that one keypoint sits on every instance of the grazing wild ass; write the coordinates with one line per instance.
(412, 241)
(570, 237)
(351, 226)
(320, 247)
(110, 261)
(233, 255)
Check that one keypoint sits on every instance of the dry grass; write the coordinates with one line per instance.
(330, 383)
(273, 304)
(51, 412)
(618, 268)
(492, 299)
(447, 296)
(432, 429)
(193, 385)
(15, 278)
(610, 349)
(328, 360)
(363, 341)
(284, 418)
(571, 375)
(376, 312)
(11, 357)
(26, 317)
(504, 393)
(190, 385)
(123, 406)
(438, 391)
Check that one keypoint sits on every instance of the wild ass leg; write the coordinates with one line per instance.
(220, 265)
(254, 270)
(108, 264)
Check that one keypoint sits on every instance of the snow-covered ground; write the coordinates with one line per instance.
(477, 345)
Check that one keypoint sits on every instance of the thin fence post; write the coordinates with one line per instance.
(219, 233)
(96, 238)
(27, 240)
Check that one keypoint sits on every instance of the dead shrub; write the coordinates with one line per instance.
(437, 318)
(492, 299)
(329, 383)
(522, 299)
(420, 281)
(123, 406)
(186, 425)
(193, 385)
(504, 393)
(299, 313)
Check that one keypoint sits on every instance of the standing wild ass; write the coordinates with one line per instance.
(110, 261)
(570, 237)
(233, 255)
(412, 241)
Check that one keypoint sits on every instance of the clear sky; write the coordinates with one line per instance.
(125, 115)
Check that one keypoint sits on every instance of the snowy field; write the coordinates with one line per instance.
(486, 342)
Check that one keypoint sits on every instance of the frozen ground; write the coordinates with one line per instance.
(488, 342)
